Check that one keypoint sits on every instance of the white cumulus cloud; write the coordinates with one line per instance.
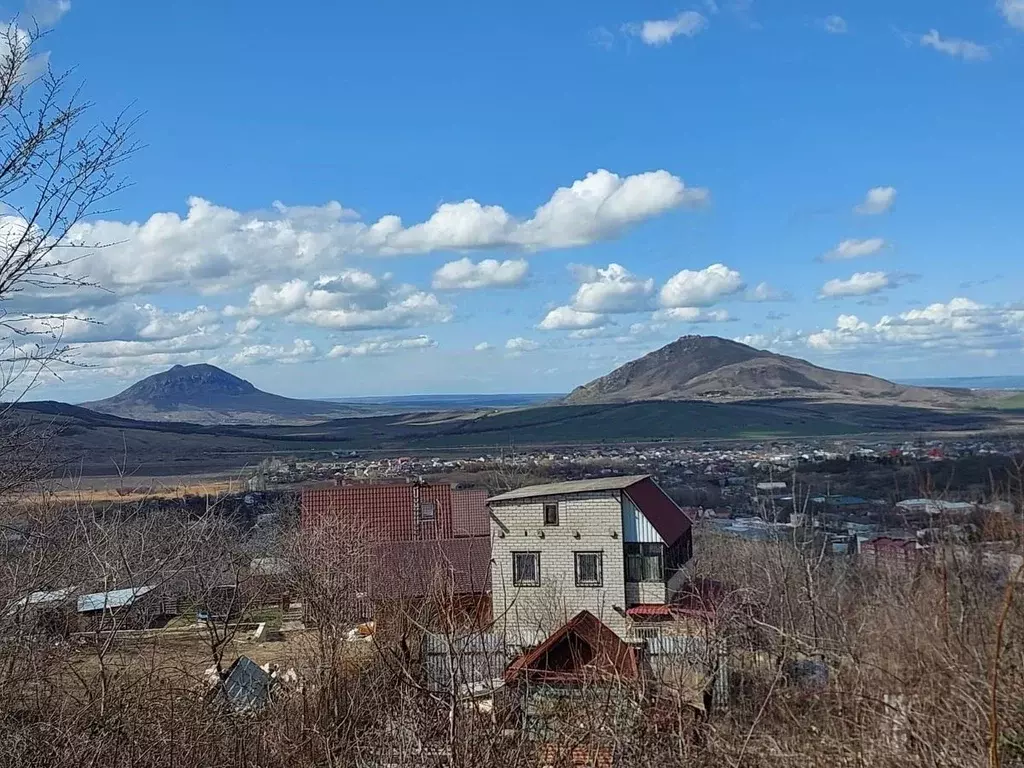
(350, 300)
(613, 289)
(518, 345)
(464, 275)
(855, 249)
(663, 31)
(189, 347)
(767, 292)
(694, 315)
(214, 248)
(589, 333)
(46, 13)
(700, 288)
(301, 351)
(858, 284)
(247, 325)
(955, 46)
(960, 324)
(835, 25)
(1013, 12)
(373, 347)
(122, 322)
(567, 319)
(877, 200)
(483, 346)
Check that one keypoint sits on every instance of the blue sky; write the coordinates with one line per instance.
(840, 181)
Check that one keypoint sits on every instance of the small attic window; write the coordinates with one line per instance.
(428, 511)
(551, 513)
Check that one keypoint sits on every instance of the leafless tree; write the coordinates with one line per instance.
(58, 166)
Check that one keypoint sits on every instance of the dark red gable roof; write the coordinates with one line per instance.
(668, 519)
(886, 544)
(413, 569)
(469, 513)
(582, 649)
(391, 512)
(377, 544)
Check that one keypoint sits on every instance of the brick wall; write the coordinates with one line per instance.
(588, 522)
(645, 592)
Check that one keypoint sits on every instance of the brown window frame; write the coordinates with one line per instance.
(639, 555)
(548, 505)
(517, 581)
(599, 582)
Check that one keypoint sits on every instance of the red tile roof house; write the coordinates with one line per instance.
(400, 544)
(604, 546)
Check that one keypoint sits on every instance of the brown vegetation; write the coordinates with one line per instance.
(830, 662)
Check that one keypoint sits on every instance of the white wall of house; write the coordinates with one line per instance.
(588, 522)
(636, 527)
(646, 592)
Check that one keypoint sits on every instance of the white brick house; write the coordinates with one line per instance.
(602, 545)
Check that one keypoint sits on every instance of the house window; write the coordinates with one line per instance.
(589, 571)
(526, 569)
(551, 514)
(645, 562)
(428, 511)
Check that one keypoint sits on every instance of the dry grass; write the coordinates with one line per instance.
(118, 490)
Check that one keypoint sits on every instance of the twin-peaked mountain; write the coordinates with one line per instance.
(693, 368)
(712, 368)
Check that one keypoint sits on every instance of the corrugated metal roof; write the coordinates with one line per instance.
(393, 512)
(247, 685)
(116, 598)
(416, 569)
(53, 596)
(668, 519)
(571, 486)
(469, 513)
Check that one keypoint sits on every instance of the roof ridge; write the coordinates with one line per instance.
(611, 483)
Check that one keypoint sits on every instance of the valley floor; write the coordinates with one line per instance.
(98, 445)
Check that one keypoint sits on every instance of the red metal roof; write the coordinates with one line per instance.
(887, 544)
(376, 539)
(582, 649)
(469, 513)
(408, 569)
(392, 512)
(653, 610)
(696, 598)
(668, 519)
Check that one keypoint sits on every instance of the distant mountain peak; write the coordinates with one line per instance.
(185, 384)
(712, 368)
(206, 394)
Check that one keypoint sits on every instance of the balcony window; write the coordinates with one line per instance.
(645, 562)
